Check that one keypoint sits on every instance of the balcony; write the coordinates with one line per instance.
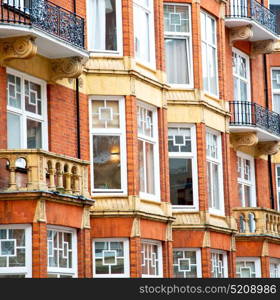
(58, 32)
(257, 221)
(251, 117)
(251, 13)
(39, 170)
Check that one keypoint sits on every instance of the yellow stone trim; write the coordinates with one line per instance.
(22, 47)
(240, 33)
(40, 212)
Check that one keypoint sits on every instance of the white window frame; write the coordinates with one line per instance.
(160, 257)
(25, 114)
(243, 181)
(198, 259)
(155, 141)
(27, 270)
(185, 36)
(126, 273)
(237, 76)
(215, 46)
(277, 187)
(225, 261)
(219, 162)
(188, 155)
(150, 11)
(257, 262)
(274, 91)
(90, 31)
(66, 271)
(120, 132)
(274, 261)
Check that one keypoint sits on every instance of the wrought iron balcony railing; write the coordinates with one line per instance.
(46, 16)
(244, 113)
(252, 9)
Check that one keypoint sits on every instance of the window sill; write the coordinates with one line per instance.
(216, 212)
(106, 195)
(105, 54)
(147, 66)
(184, 209)
(149, 197)
(183, 87)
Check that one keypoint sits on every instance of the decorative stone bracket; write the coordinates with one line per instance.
(17, 47)
(71, 67)
(240, 33)
(267, 148)
(246, 139)
(265, 47)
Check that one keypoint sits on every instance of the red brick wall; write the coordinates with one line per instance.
(39, 250)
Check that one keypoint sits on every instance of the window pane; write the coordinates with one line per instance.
(181, 184)
(105, 27)
(150, 176)
(14, 91)
(106, 162)
(177, 63)
(176, 18)
(14, 131)
(34, 134)
(216, 186)
(141, 165)
(142, 33)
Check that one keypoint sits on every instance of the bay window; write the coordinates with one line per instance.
(219, 267)
(148, 152)
(105, 26)
(144, 36)
(248, 267)
(62, 252)
(111, 258)
(183, 167)
(187, 263)
(214, 171)
(26, 112)
(15, 251)
(108, 145)
(209, 53)
(276, 89)
(246, 180)
(151, 255)
(177, 26)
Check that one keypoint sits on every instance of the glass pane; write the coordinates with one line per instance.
(14, 131)
(141, 165)
(181, 184)
(34, 134)
(216, 186)
(105, 26)
(13, 276)
(247, 195)
(107, 162)
(176, 18)
(150, 175)
(177, 52)
(14, 91)
(19, 260)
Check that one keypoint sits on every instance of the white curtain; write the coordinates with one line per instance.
(177, 61)
(99, 28)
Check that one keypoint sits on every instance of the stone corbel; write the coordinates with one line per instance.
(70, 67)
(267, 148)
(247, 139)
(86, 218)
(265, 47)
(17, 47)
(240, 34)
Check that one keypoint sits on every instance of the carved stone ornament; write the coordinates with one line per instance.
(268, 148)
(86, 218)
(70, 67)
(40, 212)
(240, 33)
(246, 139)
(17, 47)
(265, 47)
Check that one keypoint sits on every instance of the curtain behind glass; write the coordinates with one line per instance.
(177, 61)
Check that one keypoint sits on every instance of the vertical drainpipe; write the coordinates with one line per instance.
(270, 174)
(77, 104)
